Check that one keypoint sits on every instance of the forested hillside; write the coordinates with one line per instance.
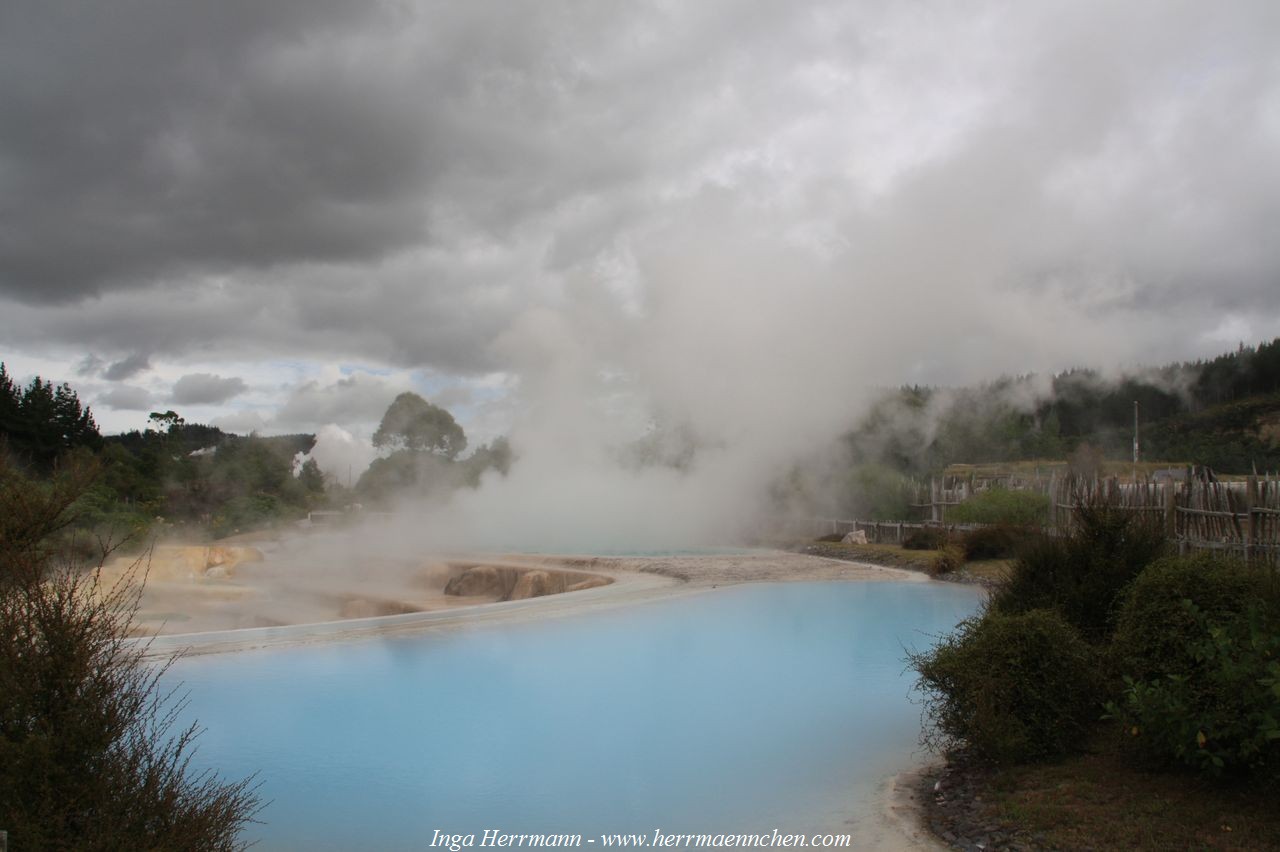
(1224, 412)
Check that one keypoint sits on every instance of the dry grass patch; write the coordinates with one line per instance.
(1100, 801)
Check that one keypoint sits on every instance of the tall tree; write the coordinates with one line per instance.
(412, 423)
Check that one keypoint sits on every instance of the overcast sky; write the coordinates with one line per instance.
(278, 215)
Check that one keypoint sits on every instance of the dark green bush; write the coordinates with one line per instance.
(1198, 644)
(949, 558)
(925, 538)
(1002, 506)
(1013, 688)
(997, 542)
(1084, 575)
(1154, 629)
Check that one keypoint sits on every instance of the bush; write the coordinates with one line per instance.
(1155, 630)
(925, 538)
(949, 558)
(997, 542)
(1198, 644)
(1084, 575)
(1002, 506)
(1013, 688)
(86, 760)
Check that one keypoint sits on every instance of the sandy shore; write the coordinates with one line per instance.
(286, 595)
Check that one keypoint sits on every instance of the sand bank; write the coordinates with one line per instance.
(278, 595)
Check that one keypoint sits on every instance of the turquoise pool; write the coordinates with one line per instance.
(746, 708)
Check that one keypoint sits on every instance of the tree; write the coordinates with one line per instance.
(43, 421)
(167, 422)
(86, 758)
(412, 423)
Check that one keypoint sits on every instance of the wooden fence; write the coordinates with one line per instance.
(1240, 519)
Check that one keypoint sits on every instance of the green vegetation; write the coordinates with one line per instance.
(87, 760)
(1083, 576)
(1224, 413)
(997, 542)
(200, 481)
(1002, 506)
(424, 441)
(947, 560)
(1198, 643)
(1116, 660)
(1011, 687)
(925, 538)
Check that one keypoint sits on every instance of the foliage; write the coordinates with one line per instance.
(86, 756)
(412, 423)
(875, 492)
(1154, 630)
(1222, 711)
(1206, 412)
(925, 538)
(41, 422)
(1002, 506)
(1083, 576)
(1011, 687)
(950, 558)
(996, 542)
(1198, 643)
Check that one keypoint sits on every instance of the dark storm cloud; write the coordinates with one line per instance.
(206, 389)
(402, 182)
(127, 368)
(143, 141)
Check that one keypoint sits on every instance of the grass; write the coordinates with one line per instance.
(894, 556)
(1099, 800)
(890, 555)
(988, 570)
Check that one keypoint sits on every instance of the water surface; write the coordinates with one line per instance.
(743, 709)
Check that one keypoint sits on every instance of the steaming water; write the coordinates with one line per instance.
(744, 709)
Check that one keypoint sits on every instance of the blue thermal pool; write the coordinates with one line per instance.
(747, 708)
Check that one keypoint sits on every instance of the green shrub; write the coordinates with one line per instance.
(1002, 506)
(1083, 576)
(877, 492)
(997, 542)
(1154, 629)
(1198, 644)
(949, 558)
(925, 538)
(1014, 688)
(249, 512)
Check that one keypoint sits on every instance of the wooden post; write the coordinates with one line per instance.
(1250, 500)
(1170, 512)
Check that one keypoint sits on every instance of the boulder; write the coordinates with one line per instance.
(855, 537)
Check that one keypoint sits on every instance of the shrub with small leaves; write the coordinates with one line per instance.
(949, 558)
(1013, 688)
(1198, 643)
(925, 538)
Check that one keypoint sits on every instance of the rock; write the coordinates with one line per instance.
(534, 584)
(515, 584)
(855, 537)
(593, 582)
(482, 580)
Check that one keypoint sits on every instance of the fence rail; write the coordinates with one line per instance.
(1241, 518)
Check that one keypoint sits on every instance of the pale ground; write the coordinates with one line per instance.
(291, 591)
